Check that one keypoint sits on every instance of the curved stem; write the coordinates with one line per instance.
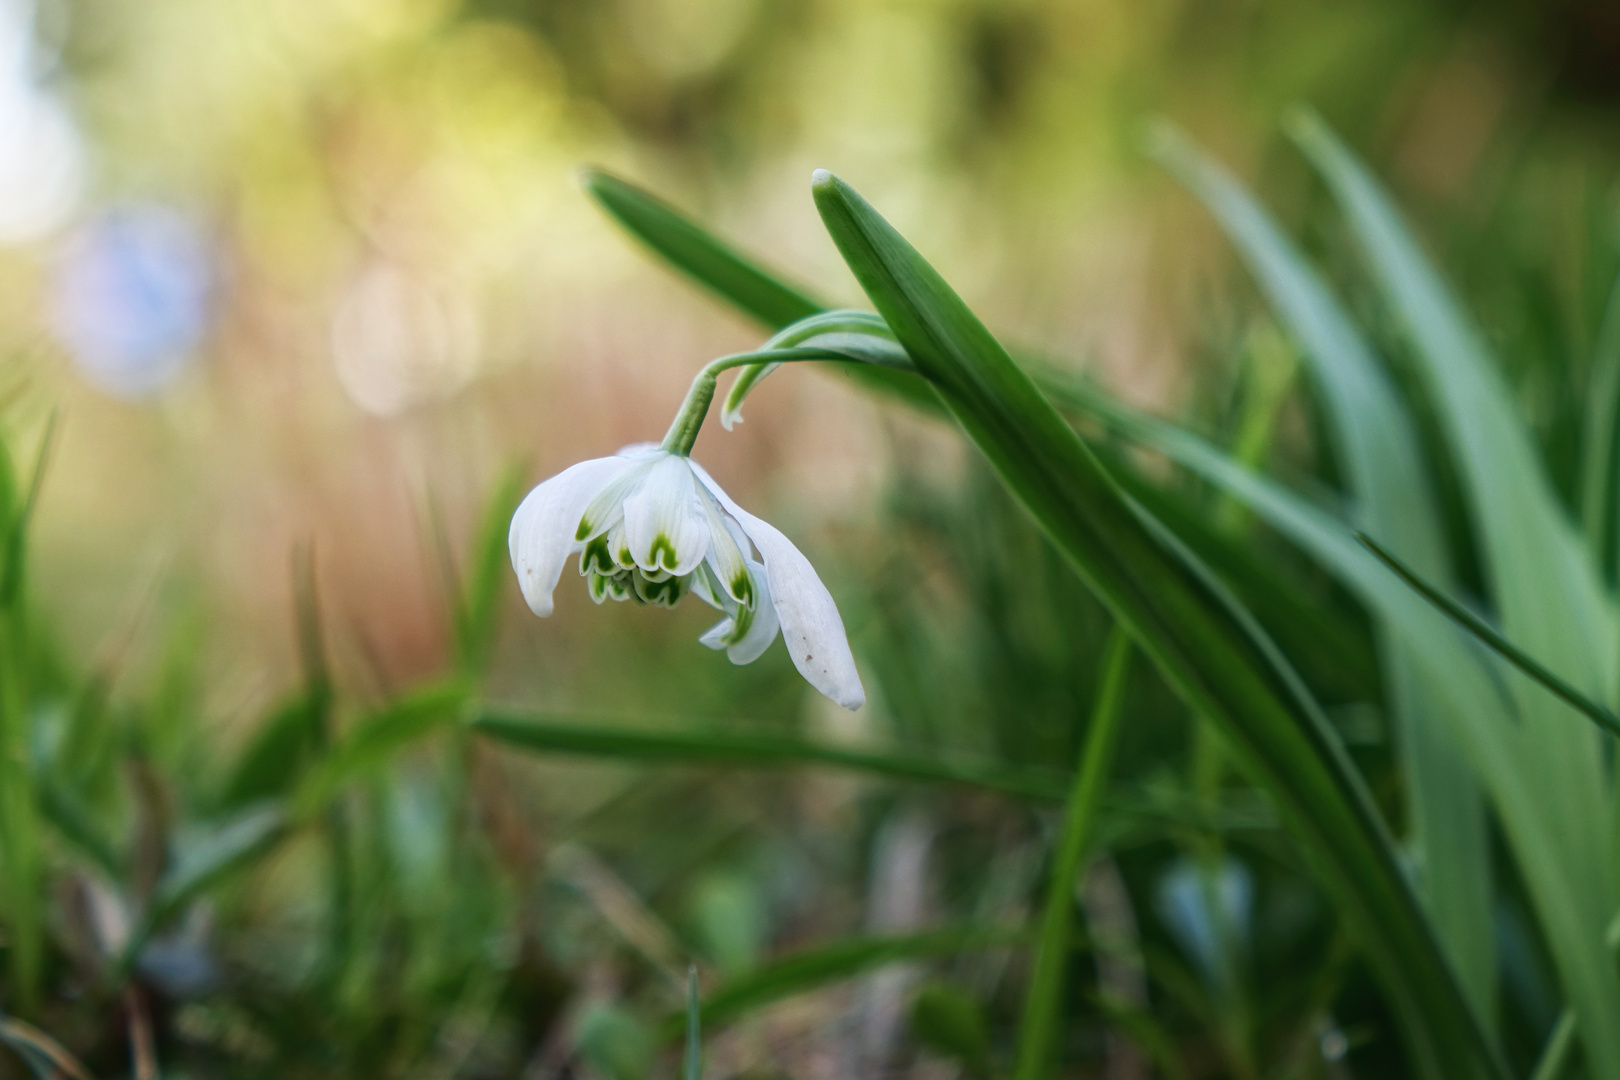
(683, 431)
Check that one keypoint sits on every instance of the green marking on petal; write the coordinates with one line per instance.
(740, 622)
(663, 546)
(742, 589)
(585, 529)
(596, 558)
(665, 590)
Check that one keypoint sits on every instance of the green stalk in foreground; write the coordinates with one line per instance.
(1208, 648)
(1045, 998)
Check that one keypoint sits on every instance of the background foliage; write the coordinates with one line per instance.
(299, 298)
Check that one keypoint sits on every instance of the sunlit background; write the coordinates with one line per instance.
(312, 274)
(297, 271)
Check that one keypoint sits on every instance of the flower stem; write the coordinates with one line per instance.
(859, 340)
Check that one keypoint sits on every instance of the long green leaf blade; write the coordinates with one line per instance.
(547, 735)
(1377, 446)
(1497, 643)
(1044, 999)
(1552, 601)
(814, 968)
(740, 281)
(1484, 722)
(1204, 645)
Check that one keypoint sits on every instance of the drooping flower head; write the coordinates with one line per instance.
(649, 525)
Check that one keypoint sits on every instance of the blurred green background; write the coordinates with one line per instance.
(313, 284)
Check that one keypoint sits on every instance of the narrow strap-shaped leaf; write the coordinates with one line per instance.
(209, 857)
(1483, 721)
(1377, 447)
(697, 254)
(740, 281)
(814, 968)
(747, 751)
(1498, 644)
(1547, 590)
(1555, 1054)
(1600, 450)
(1551, 600)
(1044, 999)
(1207, 648)
(376, 739)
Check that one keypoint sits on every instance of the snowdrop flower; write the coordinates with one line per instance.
(649, 525)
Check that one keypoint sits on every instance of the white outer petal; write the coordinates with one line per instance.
(811, 627)
(542, 533)
(761, 631)
(665, 504)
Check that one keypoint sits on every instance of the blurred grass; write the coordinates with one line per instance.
(398, 828)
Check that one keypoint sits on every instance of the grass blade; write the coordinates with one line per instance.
(1600, 450)
(1497, 643)
(750, 288)
(479, 591)
(1555, 1055)
(697, 253)
(1550, 597)
(208, 858)
(1209, 650)
(1377, 447)
(1483, 720)
(377, 739)
(1044, 1000)
(546, 735)
(814, 968)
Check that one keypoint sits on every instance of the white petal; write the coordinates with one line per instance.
(706, 588)
(745, 634)
(606, 509)
(542, 533)
(761, 630)
(726, 556)
(811, 628)
(663, 520)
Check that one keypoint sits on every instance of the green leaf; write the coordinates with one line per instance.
(696, 253)
(1208, 649)
(547, 735)
(1044, 999)
(202, 860)
(814, 968)
(1600, 449)
(744, 284)
(482, 585)
(1377, 447)
(1496, 642)
(62, 808)
(277, 755)
(1552, 601)
(1483, 721)
(376, 739)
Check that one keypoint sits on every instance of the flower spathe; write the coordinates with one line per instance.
(650, 525)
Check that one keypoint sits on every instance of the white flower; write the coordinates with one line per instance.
(651, 525)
